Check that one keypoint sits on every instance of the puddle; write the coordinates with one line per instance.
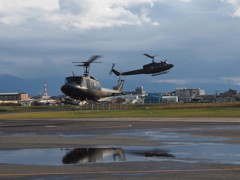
(56, 156)
(206, 152)
(166, 136)
(175, 146)
(181, 152)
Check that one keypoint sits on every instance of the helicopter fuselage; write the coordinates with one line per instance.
(87, 88)
(154, 67)
(151, 68)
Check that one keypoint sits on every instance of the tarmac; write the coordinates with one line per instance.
(120, 148)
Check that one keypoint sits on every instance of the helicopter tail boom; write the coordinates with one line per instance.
(116, 72)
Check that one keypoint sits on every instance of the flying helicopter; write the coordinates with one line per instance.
(87, 87)
(153, 68)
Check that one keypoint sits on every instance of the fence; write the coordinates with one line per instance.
(104, 106)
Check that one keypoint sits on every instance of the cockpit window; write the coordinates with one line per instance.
(74, 79)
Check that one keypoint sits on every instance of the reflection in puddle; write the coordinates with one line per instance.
(89, 155)
(151, 153)
(56, 156)
(207, 152)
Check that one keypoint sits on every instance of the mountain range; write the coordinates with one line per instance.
(9, 83)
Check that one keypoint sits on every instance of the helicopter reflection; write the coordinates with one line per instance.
(88, 155)
(93, 155)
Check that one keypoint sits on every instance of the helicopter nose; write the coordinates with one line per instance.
(65, 89)
(69, 89)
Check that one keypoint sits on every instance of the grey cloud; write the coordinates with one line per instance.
(233, 80)
(200, 37)
(72, 6)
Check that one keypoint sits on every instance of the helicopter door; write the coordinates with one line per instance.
(88, 83)
(83, 83)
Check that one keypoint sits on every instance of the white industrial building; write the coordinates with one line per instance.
(188, 95)
(169, 99)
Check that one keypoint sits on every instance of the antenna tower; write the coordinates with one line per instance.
(45, 89)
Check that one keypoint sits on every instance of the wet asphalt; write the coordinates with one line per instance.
(122, 148)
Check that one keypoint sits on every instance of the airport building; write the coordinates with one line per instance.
(228, 96)
(153, 98)
(13, 98)
(169, 99)
(140, 91)
(186, 95)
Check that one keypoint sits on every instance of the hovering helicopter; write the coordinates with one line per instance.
(153, 68)
(87, 87)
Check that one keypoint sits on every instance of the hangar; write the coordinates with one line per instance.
(13, 98)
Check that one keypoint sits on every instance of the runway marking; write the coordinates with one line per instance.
(117, 172)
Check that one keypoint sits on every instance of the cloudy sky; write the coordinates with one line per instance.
(40, 39)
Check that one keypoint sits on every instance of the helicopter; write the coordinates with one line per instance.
(86, 87)
(153, 68)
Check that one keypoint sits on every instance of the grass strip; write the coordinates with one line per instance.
(131, 112)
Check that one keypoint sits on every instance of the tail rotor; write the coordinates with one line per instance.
(111, 71)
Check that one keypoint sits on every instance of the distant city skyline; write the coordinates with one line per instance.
(40, 39)
(36, 87)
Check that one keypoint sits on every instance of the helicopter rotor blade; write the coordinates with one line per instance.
(89, 61)
(149, 56)
(113, 65)
(86, 64)
(92, 59)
